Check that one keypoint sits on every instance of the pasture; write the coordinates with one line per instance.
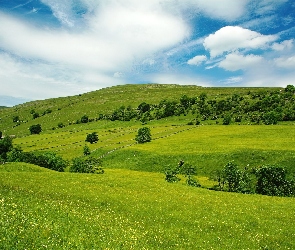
(125, 209)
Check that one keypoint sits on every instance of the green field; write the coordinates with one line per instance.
(125, 209)
(131, 206)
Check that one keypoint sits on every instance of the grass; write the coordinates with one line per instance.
(131, 206)
(125, 209)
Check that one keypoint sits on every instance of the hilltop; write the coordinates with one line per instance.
(67, 110)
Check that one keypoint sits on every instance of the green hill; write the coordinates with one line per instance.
(131, 206)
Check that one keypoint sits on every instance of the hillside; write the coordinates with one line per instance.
(208, 146)
(68, 110)
(131, 205)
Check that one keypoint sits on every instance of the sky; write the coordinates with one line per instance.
(54, 48)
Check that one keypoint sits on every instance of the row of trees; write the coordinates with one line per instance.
(261, 107)
(266, 180)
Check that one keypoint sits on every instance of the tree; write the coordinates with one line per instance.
(86, 165)
(15, 118)
(86, 150)
(5, 146)
(92, 138)
(271, 180)
(84, 119)
(35, 129)
(143, 135)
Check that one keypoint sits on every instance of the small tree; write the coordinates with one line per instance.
(92, 138)
(84, 119)
(5, 146)
(143, 135)
(271, 180)
(87, 165)
(35, 129)
(86, 150)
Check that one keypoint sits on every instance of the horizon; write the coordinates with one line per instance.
(52, 49)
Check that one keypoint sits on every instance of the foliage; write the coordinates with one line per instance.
(5, 146)
(60, 125)
(226, 119)
(272, 180)
(35, 129)
(143, 135)
(92, 138)
(86, 150)
(84, 119)
(47, 159)
(171, 173)
(190, 172)
(232, 179)
(86, 165)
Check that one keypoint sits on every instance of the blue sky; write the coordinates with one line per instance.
(52, 48)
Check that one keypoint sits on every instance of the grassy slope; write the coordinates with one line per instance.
(69, 109)
(125, 209)
(129, 209)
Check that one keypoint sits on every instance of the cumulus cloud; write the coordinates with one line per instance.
(197, 60)
(232, 38)
(286, 62)
(233, 62)
(287, 44)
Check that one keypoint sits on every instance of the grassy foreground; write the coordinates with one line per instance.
(125, 209)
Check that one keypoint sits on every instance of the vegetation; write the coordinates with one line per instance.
(132, 206)
(35, 129)
(143, 135)
(92, 138)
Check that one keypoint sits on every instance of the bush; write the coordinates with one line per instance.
(86, 165)
(271, 180)
(86, 150)
(143, 135)
(35, 129)
(233, 179)
(84, 119)
(5, 146)
(92, 138)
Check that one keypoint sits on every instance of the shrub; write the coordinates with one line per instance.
(271, 180)
(190, 172)
(84, 119)
(86, 150)
(226, 120)
(171, 173)
(234, 179)
(92, 138)
(35, 129)
(86, 165)
(5, 146)
(143, 135)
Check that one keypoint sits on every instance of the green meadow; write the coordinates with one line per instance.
(131, 206)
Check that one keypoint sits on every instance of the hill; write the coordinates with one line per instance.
(68, 110)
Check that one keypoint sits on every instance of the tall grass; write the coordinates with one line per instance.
(125, 209)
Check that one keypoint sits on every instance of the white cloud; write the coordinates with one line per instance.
(287, 44)
(233, 62)
(232, 38)
(180, 79)
(197, 60)
(286, 62)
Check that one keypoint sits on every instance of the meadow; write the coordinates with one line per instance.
(131, 206)
(124, 209)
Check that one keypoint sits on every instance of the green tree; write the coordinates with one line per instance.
(86, 150)
(15, 118)
(84, 119)
(35, 129)
(143, 135)
(92, 138)
(272, 180)
(87, 165)
(5, 146)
